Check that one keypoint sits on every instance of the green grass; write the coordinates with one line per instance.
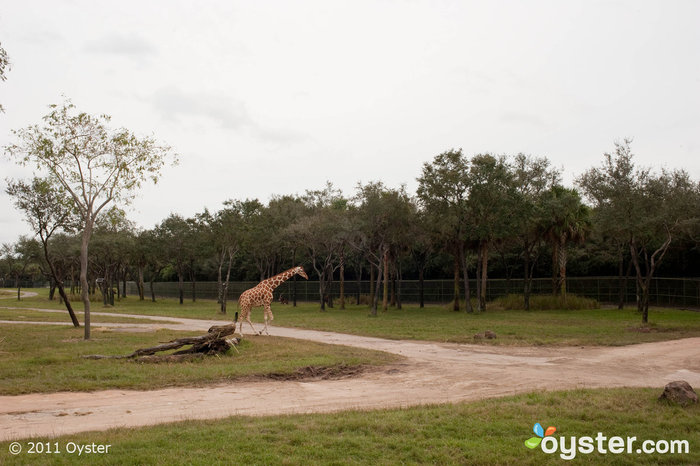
(484, 432)
(551, 327)
(437, 323)
(201, 309)
(30, 315)
(36, 358)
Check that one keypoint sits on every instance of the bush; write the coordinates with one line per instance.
(545, 302)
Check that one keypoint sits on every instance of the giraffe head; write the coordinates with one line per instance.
(300, 271)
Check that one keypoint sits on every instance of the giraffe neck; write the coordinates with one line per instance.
(277, 280)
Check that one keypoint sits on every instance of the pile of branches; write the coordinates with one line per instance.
(214, 342)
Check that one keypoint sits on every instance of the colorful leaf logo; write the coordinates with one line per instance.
(533, 442)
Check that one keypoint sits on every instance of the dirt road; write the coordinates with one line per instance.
(430, 373)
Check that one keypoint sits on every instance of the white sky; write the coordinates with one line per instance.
(265, 97)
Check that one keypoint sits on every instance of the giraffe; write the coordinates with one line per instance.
(261, 295)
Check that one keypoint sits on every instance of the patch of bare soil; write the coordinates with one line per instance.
(308, 373)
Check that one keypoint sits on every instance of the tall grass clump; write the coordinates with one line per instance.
(516, 302)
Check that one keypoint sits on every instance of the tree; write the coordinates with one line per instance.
(382, 219)
(647, 210)
(492, 200)
(21, 261)
(112, 242)
(320, 233)
(225, 229)
(533, 180)
(4, 66)
(94, 164)
(567, 220)
(47, 211)
(443, 191)
(175, 232)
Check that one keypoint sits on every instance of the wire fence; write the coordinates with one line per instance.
(674, 292)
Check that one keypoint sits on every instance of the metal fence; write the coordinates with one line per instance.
(676, 292)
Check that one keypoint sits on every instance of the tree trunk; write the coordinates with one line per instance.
(484, 275)
(385, 296)
(526, 277)
(219, 278)
(620, 280)
(84, 285)
(375, 299)
(153, 293)
(224, 294)
(421, 287)
(59, 284)
(141, 284)
(562, 267)
(180, 286)
(398, 285)
(371, 284)
(555, 268)
(465, 275)
(479, 264)
(341, 298)
(455, 305)
(194, 282)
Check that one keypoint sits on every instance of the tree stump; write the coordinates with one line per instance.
(214, 342)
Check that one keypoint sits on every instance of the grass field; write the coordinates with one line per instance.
(30, 315)
(550, 327)
(47, 358)
(485, 432)
(42, 358)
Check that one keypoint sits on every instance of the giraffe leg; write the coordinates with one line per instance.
(268, 315)
(255, 332)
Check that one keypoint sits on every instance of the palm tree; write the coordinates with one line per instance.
(566, 220)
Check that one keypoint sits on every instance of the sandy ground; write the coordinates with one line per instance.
(430, 373)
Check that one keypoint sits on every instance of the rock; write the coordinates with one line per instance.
(679, 392)
(489, 335)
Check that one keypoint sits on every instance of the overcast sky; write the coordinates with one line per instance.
(273, 97)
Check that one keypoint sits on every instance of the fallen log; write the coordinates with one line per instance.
(214, 342)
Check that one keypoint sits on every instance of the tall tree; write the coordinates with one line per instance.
(94, 164)
(534, 178)
(226, 236)
(648, 210)
(320, 234)
(443, 191)
(47, 211)
(175, 232)
(492, 199)
(381, 221)
(568, 220)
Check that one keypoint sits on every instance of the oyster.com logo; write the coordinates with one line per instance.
(569, 446)
(534, 442)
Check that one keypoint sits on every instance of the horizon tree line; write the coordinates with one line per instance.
(467, 212)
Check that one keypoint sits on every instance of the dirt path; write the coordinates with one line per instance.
(430, 373)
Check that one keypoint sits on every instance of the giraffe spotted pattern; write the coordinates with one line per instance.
(261, 295)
